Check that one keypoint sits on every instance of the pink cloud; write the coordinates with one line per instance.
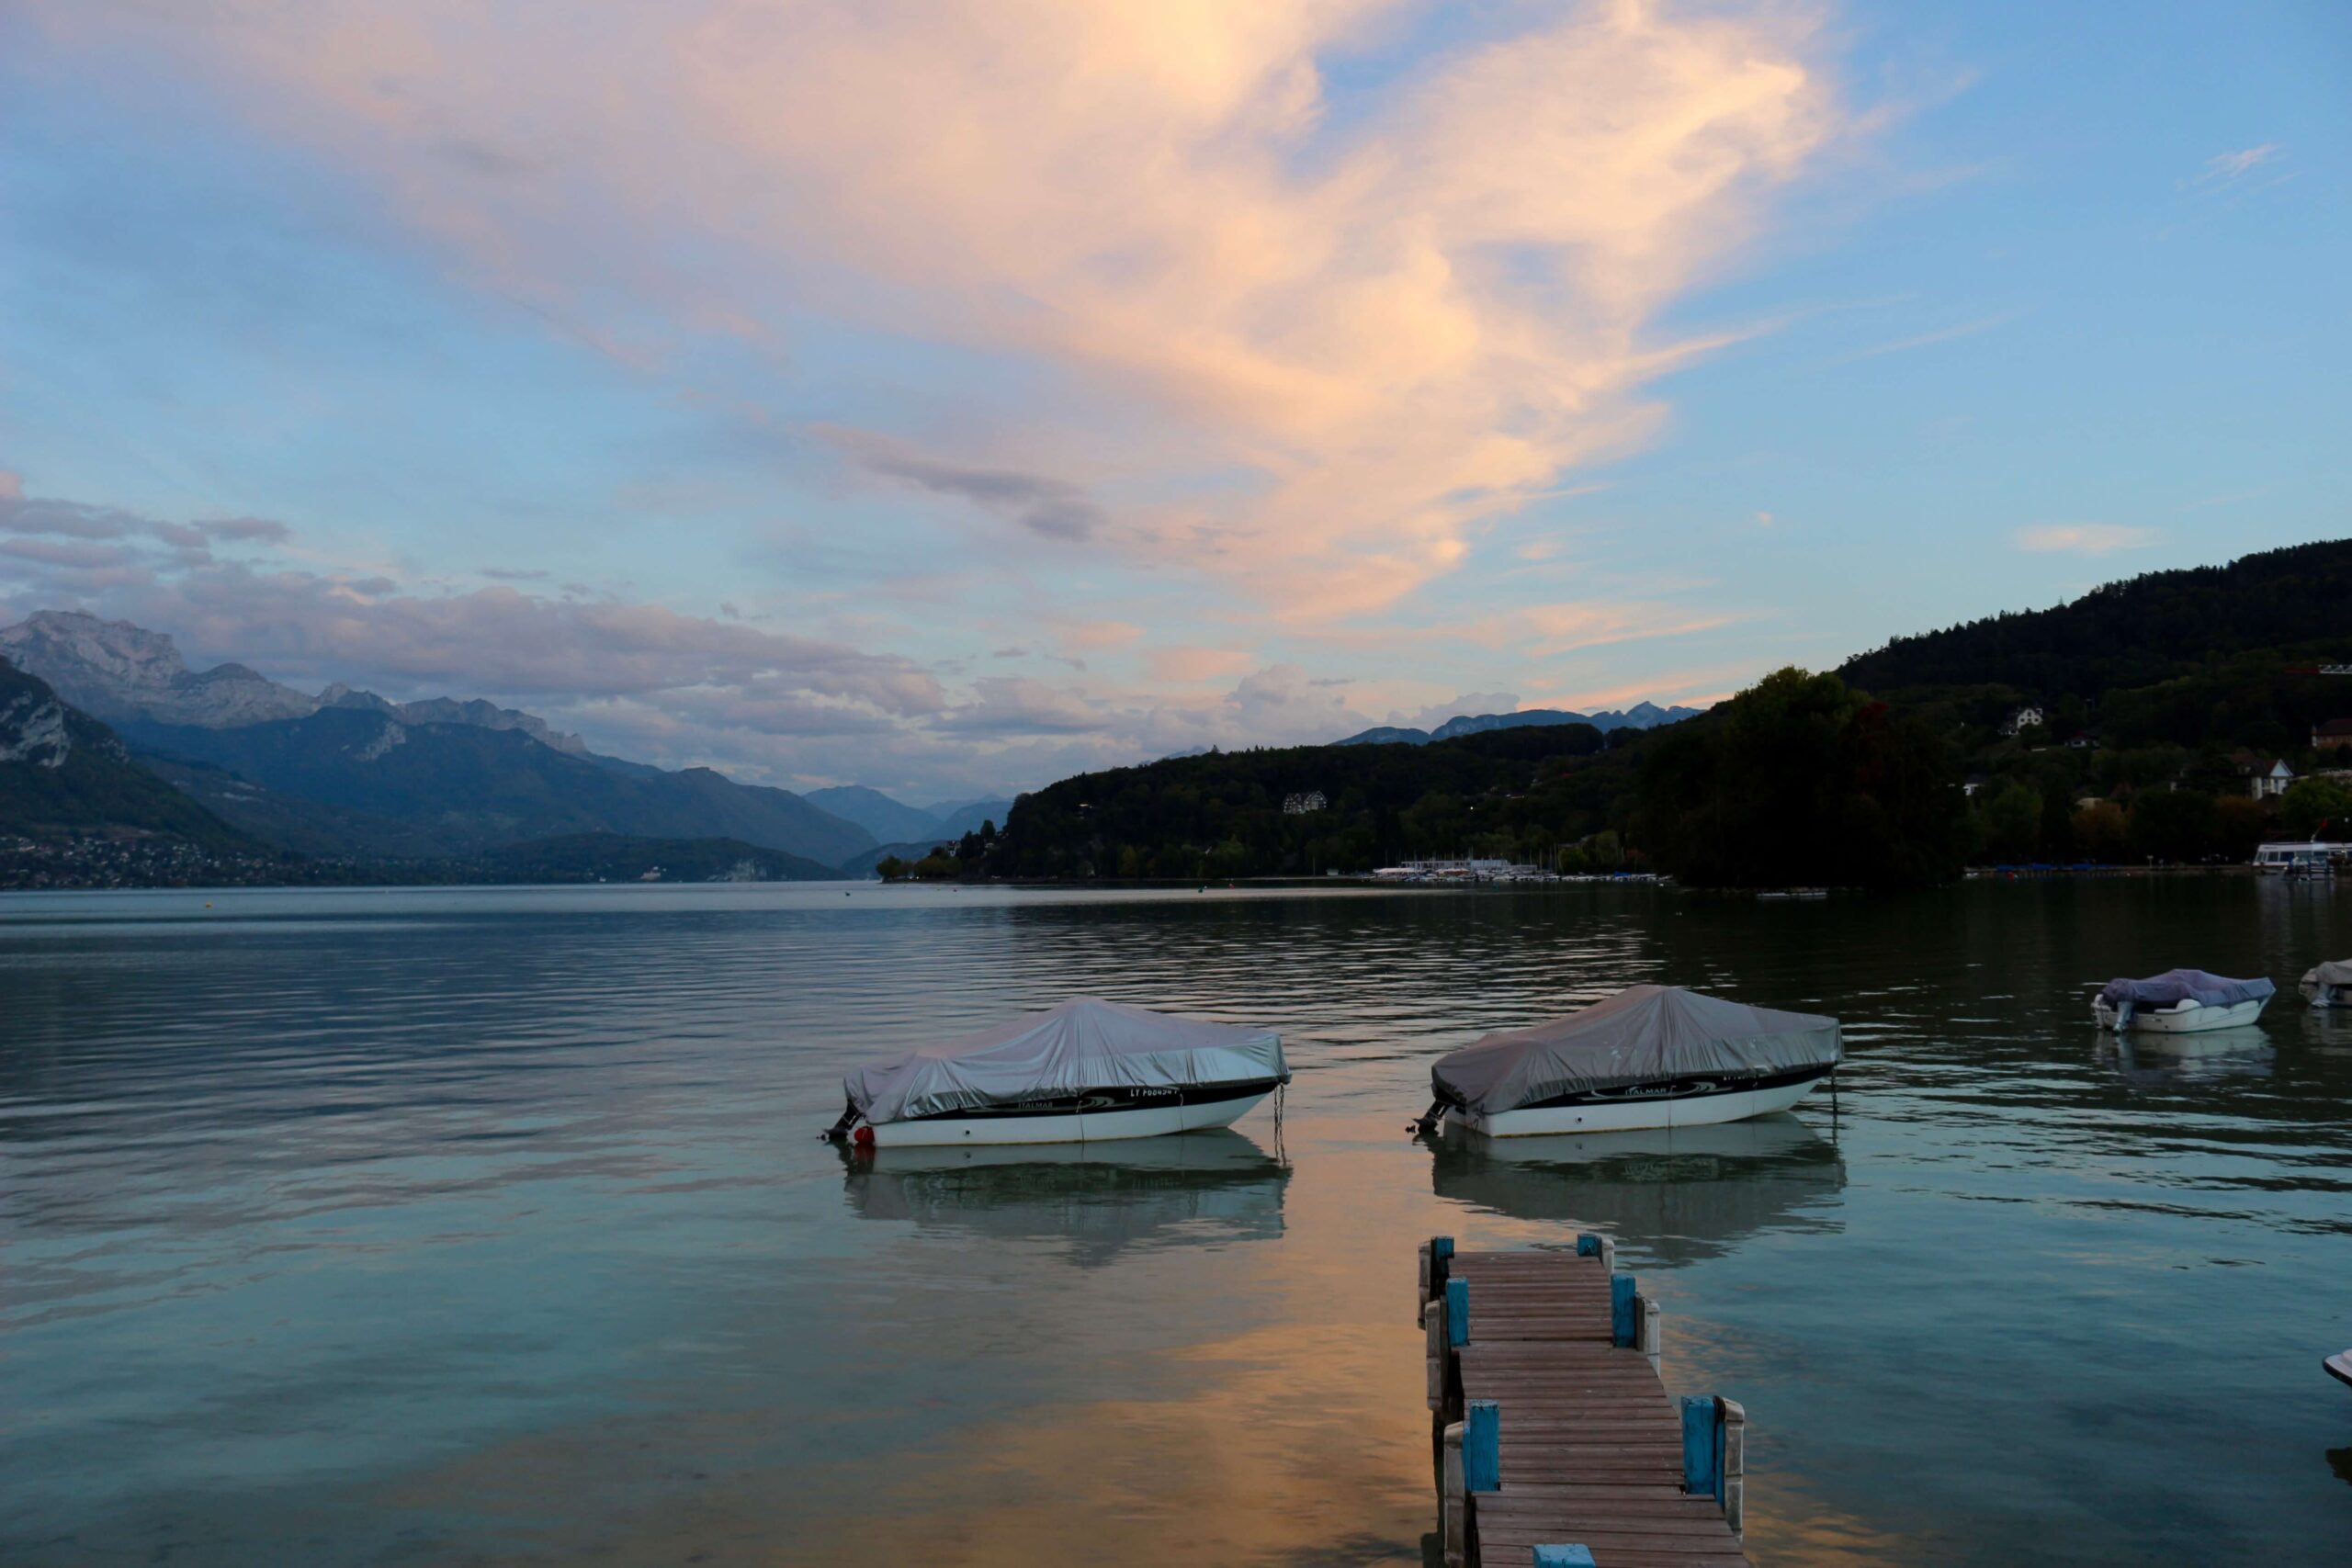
(1395, 326)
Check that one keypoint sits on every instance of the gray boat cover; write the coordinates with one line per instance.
(2329, 980)
(1083, 1044)
(2176, 985)
(1643, 1034)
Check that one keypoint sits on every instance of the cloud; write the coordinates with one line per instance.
(1763, 519)
(2083, 538)
(1321, 341)
(1047, 507)
(1928, 339)
(2226, 166)
(1188, 664)
(12, 487)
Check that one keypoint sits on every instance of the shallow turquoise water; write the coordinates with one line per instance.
(489, 1225)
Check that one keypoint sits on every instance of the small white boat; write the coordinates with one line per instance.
(2339, 1367)
(2181, 1001)
(2329, 984)
(1083, 1071)
(1648, 1056)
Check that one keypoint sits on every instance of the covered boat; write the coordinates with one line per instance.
(1084, 1070)
(1648, 1056)
(2181, 1001)
(2329, 984)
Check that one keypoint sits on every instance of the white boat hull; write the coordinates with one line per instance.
(1628, 1115)
(1065, 1127)
(2185, 1017)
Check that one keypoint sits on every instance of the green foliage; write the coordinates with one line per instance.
(2310, 803)
(1516, 794)
(1801, 779)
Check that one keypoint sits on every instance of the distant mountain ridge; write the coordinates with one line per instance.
(888, 820)
(1640, 716)
(476, 788)
(63, 773)
(117, 671)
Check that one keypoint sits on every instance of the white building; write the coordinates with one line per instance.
(1300, 803)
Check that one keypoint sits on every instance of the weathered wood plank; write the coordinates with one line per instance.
(1591, 1447)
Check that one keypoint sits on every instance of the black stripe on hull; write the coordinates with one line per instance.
(1103, 1101)
(1695, 1087)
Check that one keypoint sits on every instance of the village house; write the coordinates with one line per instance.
(2024, 718)
(2265, 778)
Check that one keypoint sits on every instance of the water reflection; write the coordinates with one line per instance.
(1103, 1199)
(2160, 1061)
(1684, 1194)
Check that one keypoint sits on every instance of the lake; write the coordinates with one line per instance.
(491, 1226)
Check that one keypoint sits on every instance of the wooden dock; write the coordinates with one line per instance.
(1557, 1442)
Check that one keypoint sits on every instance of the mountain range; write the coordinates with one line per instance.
(1640, 716)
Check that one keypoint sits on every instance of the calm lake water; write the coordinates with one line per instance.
(491, 1227)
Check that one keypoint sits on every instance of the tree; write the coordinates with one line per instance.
(1801, 779)
(2309, 805)
(2176, 824)
(2100, 829)
(2009, 821)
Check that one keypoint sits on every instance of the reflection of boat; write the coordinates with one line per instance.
(1210, 1186)
(2329, 984)
(2181, 1001)
(1648, 1056)
(2157, 1061)
(1083, 1071)
(1687, 1192)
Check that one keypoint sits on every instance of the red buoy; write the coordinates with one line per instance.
(863, 1137)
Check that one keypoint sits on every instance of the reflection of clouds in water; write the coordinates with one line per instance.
(1103, 1198)
(1678, 1194)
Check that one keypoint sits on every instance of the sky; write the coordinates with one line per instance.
(950, 397)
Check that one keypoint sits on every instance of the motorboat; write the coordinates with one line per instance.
(2181, 1001)
(2329, 984)
(1082, 1071)
(1648, 1056)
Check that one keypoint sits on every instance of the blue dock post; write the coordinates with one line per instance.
(1564, 1557)
(1701, 1445)
(1601, 1246)
(1482, 1446)
(1624, 1316)
(1437, 1258)
(1457, 1313)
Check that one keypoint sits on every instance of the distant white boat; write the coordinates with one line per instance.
(2181, 1001)
(2298, 857)
(2329, 984)
(1648, 1056)
(1082, 1072)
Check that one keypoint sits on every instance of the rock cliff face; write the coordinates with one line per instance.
(65, 777)
(114, 670)
(119, 672)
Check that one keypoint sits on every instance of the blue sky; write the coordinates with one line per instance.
(947, 398)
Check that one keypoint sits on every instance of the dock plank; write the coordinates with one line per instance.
(1591, 1445)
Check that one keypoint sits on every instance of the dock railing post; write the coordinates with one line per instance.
(1564, 1557)
(1734, 1476)
(1457, 1313)
(1647, 1332)
(1702, 1444)
(1437, 1259)
(1624, 1314)
(1601, 1246)
(1433, 1334)
(1454, 1502)
(1482, 1446)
